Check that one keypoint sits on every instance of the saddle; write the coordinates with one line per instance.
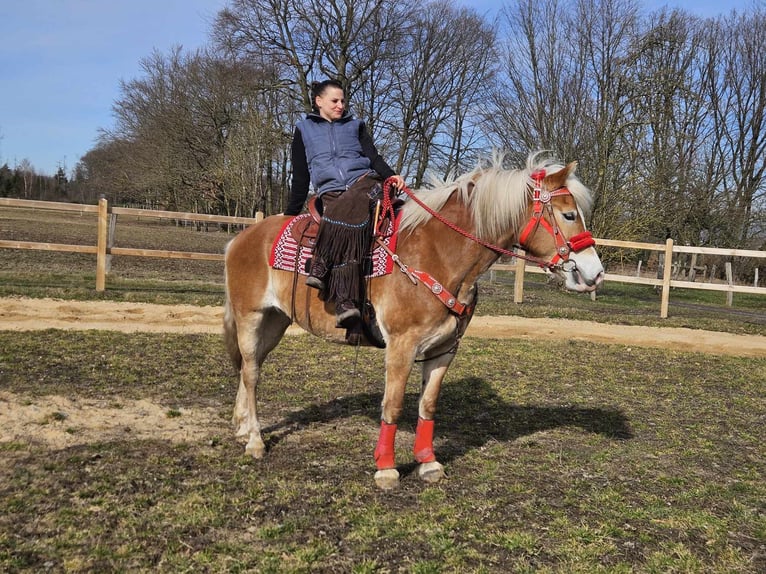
(305, 230)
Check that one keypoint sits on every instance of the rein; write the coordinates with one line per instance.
(541, 201)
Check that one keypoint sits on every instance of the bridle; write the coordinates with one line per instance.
(541, 204)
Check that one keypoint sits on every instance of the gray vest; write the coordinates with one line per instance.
(333, 151)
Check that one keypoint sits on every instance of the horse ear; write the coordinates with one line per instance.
(559, 178)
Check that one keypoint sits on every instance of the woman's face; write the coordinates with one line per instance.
(331, 103)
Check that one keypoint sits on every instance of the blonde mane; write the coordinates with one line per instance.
(498, 197)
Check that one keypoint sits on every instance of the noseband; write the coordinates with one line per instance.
(541, 204)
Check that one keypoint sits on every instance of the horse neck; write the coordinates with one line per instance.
(453, 259)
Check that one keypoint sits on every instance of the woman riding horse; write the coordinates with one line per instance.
(334, 151)
(447, 239)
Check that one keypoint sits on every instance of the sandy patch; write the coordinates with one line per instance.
(61, 422)
(19, 314)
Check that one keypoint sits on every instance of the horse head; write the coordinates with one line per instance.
(555, 231)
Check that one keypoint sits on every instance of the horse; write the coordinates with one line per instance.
(449, 235)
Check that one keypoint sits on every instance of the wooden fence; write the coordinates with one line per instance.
(666, 282)
(106, 217)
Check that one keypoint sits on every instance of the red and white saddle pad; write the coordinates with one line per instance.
(287, 254)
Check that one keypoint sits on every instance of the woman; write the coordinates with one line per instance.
(333, 151)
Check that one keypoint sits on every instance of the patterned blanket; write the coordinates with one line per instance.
(286, 251)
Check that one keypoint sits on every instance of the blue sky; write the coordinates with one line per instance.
(61, 62)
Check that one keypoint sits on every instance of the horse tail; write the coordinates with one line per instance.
(230, 339)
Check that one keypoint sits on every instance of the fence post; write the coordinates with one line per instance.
(103, 224)
(730, 281)
(666, 272)
(518, 281)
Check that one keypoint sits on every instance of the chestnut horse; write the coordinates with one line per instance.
(448, 237)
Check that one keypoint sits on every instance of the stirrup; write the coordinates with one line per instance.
(347, 318)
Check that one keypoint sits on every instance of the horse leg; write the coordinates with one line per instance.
(399, 358)
(257, 335)
(433, 373)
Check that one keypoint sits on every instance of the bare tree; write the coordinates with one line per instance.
(309, 39)
(671, 131)
(737, 92)
(442, 79)
(181, 127)
(565, 88)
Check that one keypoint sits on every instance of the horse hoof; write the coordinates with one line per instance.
(387, 479)
(255, 450)
(431, 472)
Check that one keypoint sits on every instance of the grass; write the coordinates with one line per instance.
(595, 458)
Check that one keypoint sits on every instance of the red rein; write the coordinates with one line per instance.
(541, 200)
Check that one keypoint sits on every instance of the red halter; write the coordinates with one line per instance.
(541, 204)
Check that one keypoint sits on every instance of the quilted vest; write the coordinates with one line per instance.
(333, 151)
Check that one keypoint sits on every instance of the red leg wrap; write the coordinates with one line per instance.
(384, 451)
(424, 441)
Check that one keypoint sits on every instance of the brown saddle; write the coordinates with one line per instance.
(305, 230)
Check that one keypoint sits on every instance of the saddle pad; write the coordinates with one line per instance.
(286, 252)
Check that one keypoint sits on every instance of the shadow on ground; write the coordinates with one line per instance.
(470, 415)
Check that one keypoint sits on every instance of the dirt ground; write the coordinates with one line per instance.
(60, 422)
(20, 314)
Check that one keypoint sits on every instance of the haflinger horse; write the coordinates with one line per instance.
(448, 236)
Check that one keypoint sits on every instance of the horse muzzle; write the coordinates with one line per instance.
(582, 271)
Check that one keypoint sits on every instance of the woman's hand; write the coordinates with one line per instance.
(398, 181)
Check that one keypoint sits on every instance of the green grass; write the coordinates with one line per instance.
(595, 458)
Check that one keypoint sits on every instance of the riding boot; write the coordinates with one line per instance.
(347, 314)
(318, 273)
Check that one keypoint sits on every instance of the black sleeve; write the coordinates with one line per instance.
(369, 149)
(300, 185)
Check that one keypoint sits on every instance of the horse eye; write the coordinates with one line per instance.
(570, 215)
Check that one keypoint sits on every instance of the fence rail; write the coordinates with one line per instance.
(107, 221)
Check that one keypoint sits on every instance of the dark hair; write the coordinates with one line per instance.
(318, 88)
